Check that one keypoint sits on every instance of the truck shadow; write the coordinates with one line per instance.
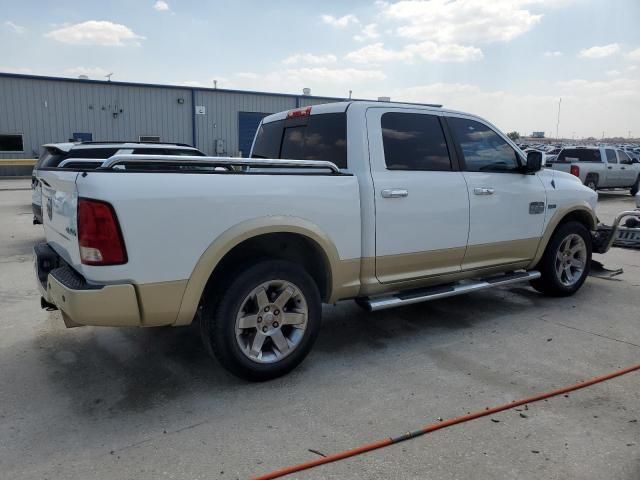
(105, 372)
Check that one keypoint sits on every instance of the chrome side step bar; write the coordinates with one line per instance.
(443, 291)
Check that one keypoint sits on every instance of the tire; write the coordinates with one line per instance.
(556, 280)
(635, 188)
(591, 182)
(241, 319)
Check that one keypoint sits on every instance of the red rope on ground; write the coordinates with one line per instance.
(440, 425)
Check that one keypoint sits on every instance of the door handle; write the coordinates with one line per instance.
(623, 168)
(609, 168)
(483, 191)
(394, 193)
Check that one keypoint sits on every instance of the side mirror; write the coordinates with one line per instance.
(534, 162)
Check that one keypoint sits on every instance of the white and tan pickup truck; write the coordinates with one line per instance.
(385, 203)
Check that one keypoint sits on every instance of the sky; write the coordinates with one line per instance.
(509, 61)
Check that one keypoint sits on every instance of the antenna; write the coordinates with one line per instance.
(109, 76)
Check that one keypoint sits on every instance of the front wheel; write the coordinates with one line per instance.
(265, 321)
(566, 261)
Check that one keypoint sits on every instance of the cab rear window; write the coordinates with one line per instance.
(315, 137)
(571, 155)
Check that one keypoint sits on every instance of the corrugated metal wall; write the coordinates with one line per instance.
(50, 110)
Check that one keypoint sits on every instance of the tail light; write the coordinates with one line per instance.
(575, 170)
(99, 234)
(299, 112)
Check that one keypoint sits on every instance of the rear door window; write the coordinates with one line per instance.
(316, 137)
(611, 156)
(414, 141)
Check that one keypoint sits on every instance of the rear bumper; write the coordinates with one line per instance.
(79, 302)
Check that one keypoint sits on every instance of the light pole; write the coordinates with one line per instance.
(558, 123)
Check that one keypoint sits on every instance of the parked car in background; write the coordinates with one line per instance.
(424, 203)
(599, 167)
(91, 155)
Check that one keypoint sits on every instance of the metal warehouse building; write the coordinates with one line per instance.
(35, 110)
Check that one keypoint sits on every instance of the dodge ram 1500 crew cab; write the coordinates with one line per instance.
(385, 203)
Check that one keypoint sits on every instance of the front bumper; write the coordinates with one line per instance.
(605, 237)
(82, 303)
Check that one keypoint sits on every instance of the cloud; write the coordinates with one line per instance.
(612, 73)
(321, 80)
(449, 52)
(95, 32)
(583, 102)
(339, 22)
(462, 21)
(19, 29)
(95, 72)
(310, 59)
(369, 32)
(161, 6)
(600, 51)
(428, 51)
(633, 55)
(23, 70)
(555, 53)
(376, 53)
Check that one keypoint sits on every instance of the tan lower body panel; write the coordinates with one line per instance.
(408, 266)
(500, 253)
(160, 302)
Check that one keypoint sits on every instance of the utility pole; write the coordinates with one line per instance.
(558, 123)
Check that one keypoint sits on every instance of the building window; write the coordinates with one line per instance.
(149, 138)
(11, 143)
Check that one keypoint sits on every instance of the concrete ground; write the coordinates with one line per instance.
(148, 403)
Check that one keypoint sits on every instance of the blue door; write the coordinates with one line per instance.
(247, 125)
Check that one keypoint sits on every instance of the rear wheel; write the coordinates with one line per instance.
(591, 182)
(265, 321)
(635, 187)
(566, 261)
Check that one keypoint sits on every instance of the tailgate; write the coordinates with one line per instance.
(59, 213)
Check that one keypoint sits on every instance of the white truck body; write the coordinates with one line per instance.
(380, 225)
